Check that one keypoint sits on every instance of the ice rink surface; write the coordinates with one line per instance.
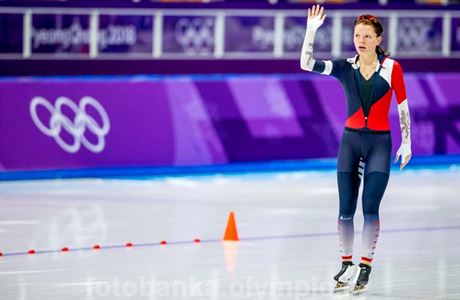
(287, 223)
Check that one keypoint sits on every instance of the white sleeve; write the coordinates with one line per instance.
(307, 62)
(404, 121)
(306, 57)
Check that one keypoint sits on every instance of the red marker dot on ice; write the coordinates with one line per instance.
(129, 245)
(65, 249)
(96, 247)
(163, 243)
(197, 241)
(31, 251)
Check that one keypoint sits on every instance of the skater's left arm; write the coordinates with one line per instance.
(404, 150)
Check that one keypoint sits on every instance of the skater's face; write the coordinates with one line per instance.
(365, 38)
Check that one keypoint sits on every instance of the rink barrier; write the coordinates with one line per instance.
(435, 162)
(104, 126)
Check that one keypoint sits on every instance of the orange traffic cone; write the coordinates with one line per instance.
(231, 233)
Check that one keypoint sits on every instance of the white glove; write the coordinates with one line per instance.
(405, 153)
(316, 18)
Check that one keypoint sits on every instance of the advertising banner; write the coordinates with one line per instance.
(60, 33)
(249, 34)
(125, 34)
(421, 36)
(68, 34)
(11, 33)
(455, 37)
(190, 35)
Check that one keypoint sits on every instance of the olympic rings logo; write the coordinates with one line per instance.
(414, 34)
(76, 127)
(196, 36)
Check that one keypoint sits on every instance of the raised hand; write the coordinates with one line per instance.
(316, 17)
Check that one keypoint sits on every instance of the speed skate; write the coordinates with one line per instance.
(344, 277)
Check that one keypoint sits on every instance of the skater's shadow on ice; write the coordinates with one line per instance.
(363, 296)
(341, 296)
(320, 294)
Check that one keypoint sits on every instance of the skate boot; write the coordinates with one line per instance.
(344, 277)
(363, 278)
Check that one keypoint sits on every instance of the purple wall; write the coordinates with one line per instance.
(71, 123)
(25, 67)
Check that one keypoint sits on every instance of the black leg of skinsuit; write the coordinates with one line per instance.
(375, 150)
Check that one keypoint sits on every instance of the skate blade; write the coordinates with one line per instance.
(341, 290)
(358, 289)
(341, 287)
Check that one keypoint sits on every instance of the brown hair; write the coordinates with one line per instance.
(378, 28)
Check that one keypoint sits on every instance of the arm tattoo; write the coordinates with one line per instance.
(309, 56)
(309, 49)
(405, 125)
(307, 61)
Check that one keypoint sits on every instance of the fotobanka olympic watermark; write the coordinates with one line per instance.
(216, 288)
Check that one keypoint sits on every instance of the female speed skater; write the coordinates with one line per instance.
(368, 80)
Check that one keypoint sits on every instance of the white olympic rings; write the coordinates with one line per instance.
(196, 36)
(76, 127)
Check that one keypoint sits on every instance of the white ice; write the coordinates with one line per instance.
(287, 223)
